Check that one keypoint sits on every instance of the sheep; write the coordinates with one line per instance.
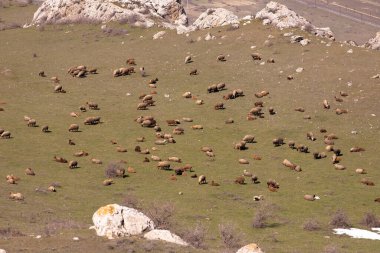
(26, 118)
(299, 109)
(194, 72)
(318, 155)
(337, 152)
(261, 94)
(199, 102)
(328, 142)
(377, 200)
(91, 120)
(6, 135)
(361, 171)
(340, 100)
(214, 183)
(175, 159)
(157, 128)
(41, 74)
(59, 159)
(178, 131)
(221, 86)
(212, 88)
(145, 152)
(96, 161)
(323, 130)
(366, 181)
(258, 197)
(247, 173)
(239, 180)
(229, 121)
(194, 176)
(16, 196)
(71, 142)
(197, 127)
(80, 153)
(172, 122)
(59, 89)
(202, 179)
(205, 149)
(82, 108)
(210, 154)
(273, 185)
(92, 105)
(255, 179)
(339, 167)
(310, 136)
(32, 123)
(131, 170)
(292, 144)
(357, 149)
(307, 117)
(140, 139)
(241, 145)
(329, 148)
(270, 60)
(107, 182)
(165, 165)
(51, 188)
(256, 57)
(155, 158)
(160, 142)
(243, 161)
(219, 106)
(142, 72)
(290, 77)
(153, 81)
(249, 138)
(73, 164)
(256, 157)
(331, 136)
(146, 98)
(74, 128)
(310, 197)
(187, 94)
(326, 104)
(339, 111)
(289, 164)
(131, 61)
(187, 119)
(256, 111)
(55, 79)
(45, 129)
(179, 171)
(188, 59)
(271, 111)
(335, 159)
(30, 172)
(278, 142)
(121, 149)
(11, 179)
(221, 58)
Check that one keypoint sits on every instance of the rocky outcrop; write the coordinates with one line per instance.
(165, 235)
(250, 248)
(136, 12)
(117, 221)
(211, 18)
(373, 43)
(280, 16)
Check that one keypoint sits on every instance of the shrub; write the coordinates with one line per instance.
(9, 26)
(9, 232)
(340, 220)
(56, 226)
(231, 238)
(311, 225)
(161, 214)
(113, 170)
(196, 236)
(131, 201)
(331, 249)
(264, 212)
(114, 31)
(370, 220)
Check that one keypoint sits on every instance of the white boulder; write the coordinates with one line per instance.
(280, 16)
(116, 221)
(373, 43)
(215, 17)
(250, 248)
(165, 235)
(159, 35)
(2, 251)
(138, 12)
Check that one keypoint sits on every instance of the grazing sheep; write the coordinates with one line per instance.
(153, 81)
(339, 167)
(82, 108)
(318, 155)
(32, 123)
(164, 165)
(241, 145)
(142, 72)
(71, 142)
(256, 111)
(55, 79)
(335, 159)
(173, 177)
(361, 171)
(197, 127)
(178, 131)
(307, 117)
(221, 86)
(247, 174)
(194, 176)
(187, 94)
(326, 104)
(107, 182)
(331, 136)
(2, 130)
(179, 171)
(212, 88)
(74, 128)
(92, 105)
(239, 180)
(131, 170)
(299, 109)
(51, 188)
(256, 157)
(41, 74)
(258, 197)
(59, 89)
(255, 179)
(310, 197)
(131, 61)
(329, 148)
(172, 122)
(214, 183)
(366, 181)
(271, 111)
(138, 149)
(96, 161)
(337, 151)
(175, 159)
(73, 164)
(328, 142)
(357, 149)
(278, 142)
(292, 144)
(261, 94)
(302, 148)
(243, 161)
(187, 119)
(80, 153)
(289, 164)
(249, 139)
(29, 172)
(273, 186)
(145, 152)
(59, 159)
(205, 149)
(199, 102)
(140, 139)
(270, 60)
(194, 72)
(256, 57)
(310, 136)
(121, 149)
(229, 121)
(221, 58)
(91, 121)
(188, 59)
(45, 129)
(340, 100)
(339, 111)
(219, 106)
(6, 135)
(290, 77)
(210, 154)
(155, 158)
(160, 142)
(343, 94)
(16, 196)
(202, 179)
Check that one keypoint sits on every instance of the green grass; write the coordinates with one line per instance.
(60, 47)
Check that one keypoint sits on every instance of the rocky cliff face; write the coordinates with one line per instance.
(137, 12)
(373, 43)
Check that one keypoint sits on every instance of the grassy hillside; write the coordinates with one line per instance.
(327, 70)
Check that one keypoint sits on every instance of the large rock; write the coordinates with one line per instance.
(250, 248)
(215, 17)
(280, 16)
(137, 12)
(116, 221)
(373, 43)
(165, 235)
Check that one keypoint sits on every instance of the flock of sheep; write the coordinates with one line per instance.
(147, 100)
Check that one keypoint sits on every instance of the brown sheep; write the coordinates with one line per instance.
(249, 138)
(240, 180)
(310, 136)
(357, 149)
(326, 104)
(194, 72)
(210, 154)
(241, 145)
(292, 144)
(361, 171)
(278, 142)
(205, 149)
(92, 105)
(366, 181)
(172, 122)
(74, 128)
(339, 167)
(41, 74)
(131, 170)
(197, 127)
(164, 165)
(302, 148)
(271, 111)
(309, 197)
(273, 186)
(243, 161)
(6, 135)
(131, 61)
(187, 119)
(59, 159)
(96, 161)
(16, 196)
(256, 157)
(178, 131)
(107, 182)
(32, 123)
(80, 153)
(229, 121)
(299, 109)
(121, 149)
(289, 164)
(256, 57)
(318, 155)
(140, 139)
(214, 183)
(219, 106)
(221, 58)
(59, 89)
(71, 142)
(45, 129)
(339, 111)
(155, 158)
(175, 159)
(73, 164)
(29, 172)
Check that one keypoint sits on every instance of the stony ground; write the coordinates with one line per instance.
(60, 216)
